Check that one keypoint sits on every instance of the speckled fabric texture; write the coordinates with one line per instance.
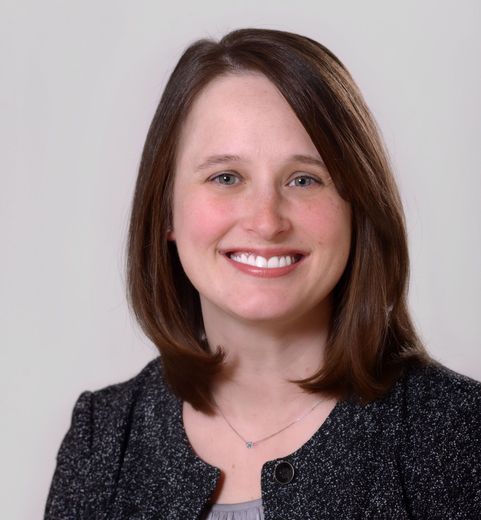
(251, 510)
(415, 454)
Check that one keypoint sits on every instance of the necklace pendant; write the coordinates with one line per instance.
(249, 444)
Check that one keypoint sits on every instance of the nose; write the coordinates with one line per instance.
(266, 214)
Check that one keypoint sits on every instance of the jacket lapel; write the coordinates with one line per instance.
(160, 477)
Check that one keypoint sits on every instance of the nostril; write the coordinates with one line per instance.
(267, 221)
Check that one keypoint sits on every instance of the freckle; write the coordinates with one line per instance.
(233, 466)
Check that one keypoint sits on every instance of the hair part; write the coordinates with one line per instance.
(372, 338)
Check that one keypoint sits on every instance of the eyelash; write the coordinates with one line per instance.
(311, 178)
(223, 174)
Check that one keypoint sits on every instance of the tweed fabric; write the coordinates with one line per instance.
(414, 454)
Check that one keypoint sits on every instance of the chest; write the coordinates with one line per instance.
(217, 443)
(337, 472)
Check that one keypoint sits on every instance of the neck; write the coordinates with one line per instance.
(263, 358)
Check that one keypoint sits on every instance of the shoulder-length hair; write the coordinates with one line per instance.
(371, 338)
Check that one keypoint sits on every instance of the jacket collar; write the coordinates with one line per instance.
(160, 475)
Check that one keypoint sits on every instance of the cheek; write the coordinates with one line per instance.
(329, 222)
(197, 217)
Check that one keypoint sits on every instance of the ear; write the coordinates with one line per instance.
(170, 234)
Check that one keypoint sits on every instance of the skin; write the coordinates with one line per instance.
(272, 325)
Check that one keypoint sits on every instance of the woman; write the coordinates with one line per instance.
(268, 264)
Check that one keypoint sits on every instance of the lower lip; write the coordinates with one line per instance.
(264, 272)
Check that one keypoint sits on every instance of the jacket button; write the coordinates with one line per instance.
(283, 472)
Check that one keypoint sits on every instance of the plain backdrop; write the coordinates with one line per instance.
(80, 81)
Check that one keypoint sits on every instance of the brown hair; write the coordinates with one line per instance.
(372, 338)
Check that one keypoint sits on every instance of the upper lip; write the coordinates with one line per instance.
(264, 252)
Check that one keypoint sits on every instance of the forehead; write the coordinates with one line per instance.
(242, 113)
(240, 87)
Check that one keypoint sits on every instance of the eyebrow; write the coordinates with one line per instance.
(215, 160)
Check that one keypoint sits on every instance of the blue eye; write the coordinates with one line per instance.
(226, 179)
(303, 181)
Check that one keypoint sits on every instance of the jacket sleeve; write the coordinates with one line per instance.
(442, 456)
(67, 493)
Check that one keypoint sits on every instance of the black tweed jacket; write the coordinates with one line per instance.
(415, 454)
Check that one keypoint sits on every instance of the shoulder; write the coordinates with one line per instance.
(106, 411)
(111, 406)
(434, 394)
(434, 406)
(439, 440)
(427, 397)
(148, 381)
(428, 407)
(103, 424)
(435, 380)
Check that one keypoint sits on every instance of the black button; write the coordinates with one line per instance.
(283, 472)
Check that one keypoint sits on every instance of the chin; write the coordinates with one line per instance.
(257, 314)
(279, 308)
(263, 318)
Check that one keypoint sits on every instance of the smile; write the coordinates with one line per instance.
(273, 262)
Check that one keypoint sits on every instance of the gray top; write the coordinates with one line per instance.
(414, 454)
(251, 510)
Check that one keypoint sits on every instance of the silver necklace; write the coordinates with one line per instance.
(251, 444)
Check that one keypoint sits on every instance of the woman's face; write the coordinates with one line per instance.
(260, 229)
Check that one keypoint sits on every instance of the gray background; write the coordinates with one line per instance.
(80, 82)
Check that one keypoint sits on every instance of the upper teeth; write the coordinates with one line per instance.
(260, 261)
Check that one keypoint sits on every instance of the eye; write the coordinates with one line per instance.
(304, 181)
(225, 179)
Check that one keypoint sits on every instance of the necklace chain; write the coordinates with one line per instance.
(251, 444)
